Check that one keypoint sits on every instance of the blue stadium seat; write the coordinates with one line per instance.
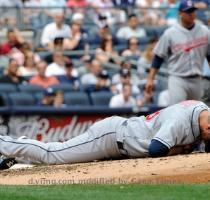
(22, 99)
(30, 88)
(7, 88)
(76, 98)
(101, 98)
(65, 87)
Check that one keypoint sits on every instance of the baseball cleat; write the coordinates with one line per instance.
(6, 163)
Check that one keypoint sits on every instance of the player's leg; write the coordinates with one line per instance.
(206, 90)
(195, 89)
(177, 90)
(98, 142)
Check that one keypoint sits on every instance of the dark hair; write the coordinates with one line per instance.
(131, 15)
(128, 41)
(58, 40)
(11, 60)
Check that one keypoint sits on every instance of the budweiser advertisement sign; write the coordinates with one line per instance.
(47, 128)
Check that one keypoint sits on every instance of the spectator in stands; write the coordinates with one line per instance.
(91, 77)
(58, 44)
(57, 67)
(11, 73)
(132, 29)
(10, 3)
(124, 98)
(71, 76)
(41, 79)
(52, 98)
(99, 33)
(54, 30)
(148, 15)
(14, 40)
(172, 13)
(76, 40)
(103, 12)
(133, 49)
(9, 15)
(125, 78)
(102, 84)
(53, 3)
(76, 3)
(29, 66)
(20, 54)
(106, 53)
(84, 67)
(26, 48)
(52, 7)
(128, 66)
(32, 13)
(124, 3)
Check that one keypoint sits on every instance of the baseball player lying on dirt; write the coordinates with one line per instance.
(172, 130)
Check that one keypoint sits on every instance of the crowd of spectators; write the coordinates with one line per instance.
(117, 36)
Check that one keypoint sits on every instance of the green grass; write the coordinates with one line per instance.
(70, 192)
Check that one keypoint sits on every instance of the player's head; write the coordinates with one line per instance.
(187, 12)
(204, 123)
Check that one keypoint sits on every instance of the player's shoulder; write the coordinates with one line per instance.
(171, 30)
(200, 25)
(192, 104)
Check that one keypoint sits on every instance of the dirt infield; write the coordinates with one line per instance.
(193, 168)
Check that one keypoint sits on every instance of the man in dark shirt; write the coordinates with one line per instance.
(11, 75)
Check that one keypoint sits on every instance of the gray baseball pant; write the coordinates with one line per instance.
(98, 142)
(181, 89)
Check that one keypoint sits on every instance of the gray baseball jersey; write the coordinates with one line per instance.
(184, 49)
(114, 137)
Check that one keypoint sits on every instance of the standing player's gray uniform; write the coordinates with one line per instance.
(185, 51)
(114, 136)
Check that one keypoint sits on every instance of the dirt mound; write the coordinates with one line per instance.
(193, 168)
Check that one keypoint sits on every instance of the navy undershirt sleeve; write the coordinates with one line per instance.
(157, 62)
(157, 149)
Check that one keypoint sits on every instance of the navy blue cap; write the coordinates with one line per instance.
(187, 6)
(49, 91)
(103, 74)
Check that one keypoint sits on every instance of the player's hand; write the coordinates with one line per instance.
(149, 87)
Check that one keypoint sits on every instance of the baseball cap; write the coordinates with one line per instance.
(69, 63)
(103, 74)
(187, 6)
(49, 91)
(77, 17)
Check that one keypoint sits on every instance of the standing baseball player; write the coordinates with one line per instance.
(184, 46)
(173, 130)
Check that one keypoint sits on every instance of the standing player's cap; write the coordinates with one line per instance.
(187, 6)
